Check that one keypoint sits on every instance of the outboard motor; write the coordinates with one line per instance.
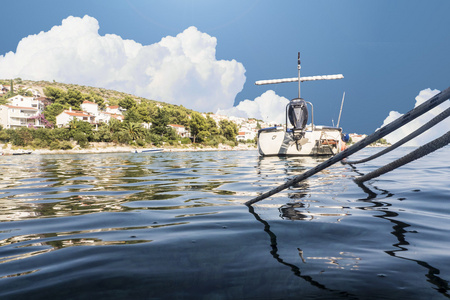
(298, 113)
(298, 116)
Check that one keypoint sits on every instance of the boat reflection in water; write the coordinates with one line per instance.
(324, 243)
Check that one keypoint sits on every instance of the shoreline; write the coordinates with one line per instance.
(97, 148)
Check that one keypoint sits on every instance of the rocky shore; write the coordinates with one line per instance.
(7, 149)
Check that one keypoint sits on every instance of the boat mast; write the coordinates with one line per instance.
(299, 67)
(340, 112)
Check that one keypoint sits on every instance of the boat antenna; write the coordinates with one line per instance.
(299, 67)
(342, 104)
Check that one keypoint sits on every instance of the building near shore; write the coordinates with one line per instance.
(64, 118)
(180, 130)
(21, 111)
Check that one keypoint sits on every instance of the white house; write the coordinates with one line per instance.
(13, 116)
(113, 109)
(90, 107)
(23, 101)
(246, 134)
(180, 130)
(66, 116)
(357, 137)
(105, 117)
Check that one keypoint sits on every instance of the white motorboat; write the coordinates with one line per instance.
(296, 137)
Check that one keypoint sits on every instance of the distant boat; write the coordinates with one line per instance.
(151, 150)
(16, 153)
(297, 138)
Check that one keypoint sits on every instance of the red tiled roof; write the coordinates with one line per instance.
(89, 102)
(77, 113)
(175, 125)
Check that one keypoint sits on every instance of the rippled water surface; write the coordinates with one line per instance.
(174, 226)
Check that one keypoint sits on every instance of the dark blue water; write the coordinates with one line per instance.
(174, 226)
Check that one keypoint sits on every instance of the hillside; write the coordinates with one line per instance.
(136, 121)
(106, 94)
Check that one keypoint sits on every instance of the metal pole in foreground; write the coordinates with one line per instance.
(416, 154)
(406, 118)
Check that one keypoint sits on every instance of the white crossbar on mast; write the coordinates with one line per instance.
(295, 79)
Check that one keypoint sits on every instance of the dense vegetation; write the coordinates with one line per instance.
(138, 111)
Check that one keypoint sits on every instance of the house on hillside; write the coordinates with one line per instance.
(357, 137)
(105, 117)
(246, 134)
(180, 130)
(23, 101)
(114, 109)
(34, 92)
(13, 116)
(90, 107)
(118, 117)
(66, 116)
(3, 89)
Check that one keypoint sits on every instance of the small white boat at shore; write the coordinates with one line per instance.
(297, 138)
(151, 150)
(19, 152)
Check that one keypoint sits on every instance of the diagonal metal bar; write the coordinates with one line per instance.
(406, 118)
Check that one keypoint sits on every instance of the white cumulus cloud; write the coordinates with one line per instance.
(181, 70)
(268, 107)
(429, 135)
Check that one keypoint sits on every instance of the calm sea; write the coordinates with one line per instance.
(173, 226)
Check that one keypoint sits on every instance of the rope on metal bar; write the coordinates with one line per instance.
(416, 154)
(407, 138)
(399, 122)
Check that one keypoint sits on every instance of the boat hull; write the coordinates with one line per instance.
(316, 142)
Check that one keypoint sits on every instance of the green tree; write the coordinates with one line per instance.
(52, 110)
(103, 134)
(113, 101)
(114, 125)
(23, 92)
(160, 122)
(55, 94)
(132, 116)
(197, 124)
(81, 139)
(212, 126)
(178, 115)
(4, 136)
(21, 136)
(127, 103)
(228, 129)
(74, 98)
(134, 130)
(146, 111)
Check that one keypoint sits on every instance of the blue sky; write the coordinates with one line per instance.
(388, 51)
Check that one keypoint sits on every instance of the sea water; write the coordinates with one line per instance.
(173, 225)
